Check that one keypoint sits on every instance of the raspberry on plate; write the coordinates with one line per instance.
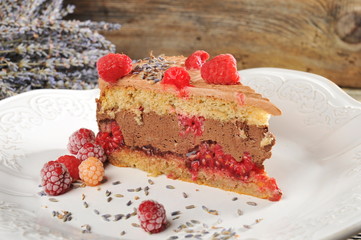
(55, 178)
(72, 164)
(176, 76)
(79, 138)
(152, 216)
(113, 66)
(196, 60)
(91, 150)
(222, 69)
(91, 171)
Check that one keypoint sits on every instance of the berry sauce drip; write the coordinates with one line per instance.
(210, 155)
(190, 125)
(266, 183)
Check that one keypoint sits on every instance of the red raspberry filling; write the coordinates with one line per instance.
(196, 60)
(110, 137)
(190, 125)
(266, 183)
(210, 155)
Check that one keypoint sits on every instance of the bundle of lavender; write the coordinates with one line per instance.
(38, 49)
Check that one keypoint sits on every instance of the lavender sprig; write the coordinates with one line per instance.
(38, 49)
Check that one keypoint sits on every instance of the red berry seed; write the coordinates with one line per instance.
(79, 138)
(55, 178)
(91, 150)
(222, 69)
(196, 60)
(152, 216)
(176, 76)
(72, 164)
(113, 66)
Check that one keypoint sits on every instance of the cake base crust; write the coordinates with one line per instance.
(257, 184)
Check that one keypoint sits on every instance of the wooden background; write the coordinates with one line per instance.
(318, 36)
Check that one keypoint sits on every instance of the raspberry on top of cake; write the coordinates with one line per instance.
(190, 118)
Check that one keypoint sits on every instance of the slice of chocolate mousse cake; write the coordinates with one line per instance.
(188, 118)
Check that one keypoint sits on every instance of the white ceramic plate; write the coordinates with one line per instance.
(316, 161)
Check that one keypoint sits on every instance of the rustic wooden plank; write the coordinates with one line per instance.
(318, 36)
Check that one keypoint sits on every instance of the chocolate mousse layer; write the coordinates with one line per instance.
(167, 134)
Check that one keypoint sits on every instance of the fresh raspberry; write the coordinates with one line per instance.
(113, 66)
(196, 60)
(176, 76)
(91, 171)
(152, 217)
(91, 150)
(111, 138)
(222, 69)
(55, 178)
(79, 138)
(72, 164)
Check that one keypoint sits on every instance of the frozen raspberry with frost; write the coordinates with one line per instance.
(55, 178)
(91, 150)
(196, 60)
(113, 66)
(152, 216)
(79, 138)
(72, 164)
(177, 76)
(91, 171)
(111, 138)
(222, 69)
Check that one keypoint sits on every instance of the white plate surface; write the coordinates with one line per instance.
(316, 161)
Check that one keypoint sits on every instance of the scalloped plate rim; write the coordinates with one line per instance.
(312, 77)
